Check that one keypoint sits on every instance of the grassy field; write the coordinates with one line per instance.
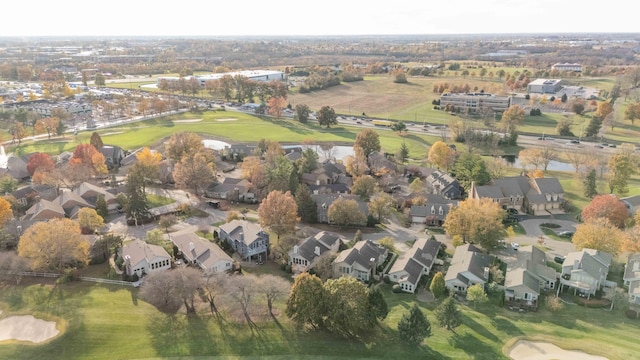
(232, 127)
(154, 200)
(109, 322)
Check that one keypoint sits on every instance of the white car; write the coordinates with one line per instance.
(515, 246)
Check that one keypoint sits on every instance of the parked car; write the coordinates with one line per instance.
(575, 141)
(565, 234)
(559, 259)
(612, 145)
(515, 246)
(597, 146)
(359, 122)
(512, 211)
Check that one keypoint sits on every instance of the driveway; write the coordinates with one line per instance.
(532, 226)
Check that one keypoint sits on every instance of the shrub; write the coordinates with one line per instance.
(631, 314)
(396, 288)
(386, 279)
(554, 303)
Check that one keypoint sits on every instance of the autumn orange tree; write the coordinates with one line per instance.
(40, 162)
(149, 164)
(278, 212)
(608, 207)
(5, 212)
(194, 170)
(441, 155)
(87, 156)
(476, 221)
(54, 245)
(276, 105)
(599, 234)
(183, 143)
(47, 125)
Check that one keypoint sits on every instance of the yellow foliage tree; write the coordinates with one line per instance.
(441, 155)
(149, 163)
(477, 222)
(54, 245)
(599, 234)
(5, 211)
(89, 220)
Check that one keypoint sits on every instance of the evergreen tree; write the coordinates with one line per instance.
(307, 208)
(378, 308)
(437, 286)
(414, 326)
(403, 154)
(137, 208)
(101, 207)
(589, 184)
(96, 141)
(448, 314)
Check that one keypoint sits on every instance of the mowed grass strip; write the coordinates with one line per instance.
(111, 322)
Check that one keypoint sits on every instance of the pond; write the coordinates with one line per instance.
(513, 161)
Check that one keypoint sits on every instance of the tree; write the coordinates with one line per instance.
(232, 215)
(187, 282)
(159, 289)
(183, 143)
(470, 168)
(387, 242)
(511, 118)
(241, 290)
(632, 112)
(564, 127)
(437, 286)
(47, 125)
(40, 162)
(96, 140)
(109, 243)
(414, 327)
(604, 109)
(8, 184)
(355, 164)
(378, 307)
(194, 171)
(276, 104)
(308, 162)
(149, 163)
(399, 127)
(5, 211)
(99, 79)
(622, 165)
(401, 78)
(344, 212)
(136, 206)
(302, 113)
(86, 156)
(477, 222)
(89, 220)
(608, 207)
(327, 116)
(441, 155)
(213, 286)
(593, 128)
(403, 153)
(347, 307)
(448, 314)
(17, 132)
(279, 213)
(272, 287)
(167, 221)
(307, 301)
(417, 187)
(281, 175)
(11, 266)
(381, 206)
(368, 142)
(364, 186)
(589, 184)
(307, 208)
(54, 245)
(476, 294)
(598, 234)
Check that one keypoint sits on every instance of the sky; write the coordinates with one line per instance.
(312, 17)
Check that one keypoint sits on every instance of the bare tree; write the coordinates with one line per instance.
(241, 289)
(187, 281)
(12, 266)
(576, 158)
(273, 287)
(213, 286)
(158, 289)
(328, 151)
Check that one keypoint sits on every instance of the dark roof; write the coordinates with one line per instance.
(323, 240)
(333, 188)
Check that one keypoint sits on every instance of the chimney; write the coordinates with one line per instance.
(317, 251)
(295, 249)
(486, 273)
(192, 247)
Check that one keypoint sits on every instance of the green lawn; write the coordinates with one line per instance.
(154, 200)
(110, 322)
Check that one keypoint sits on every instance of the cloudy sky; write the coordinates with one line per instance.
(311, 17)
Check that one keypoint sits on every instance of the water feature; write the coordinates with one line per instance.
(513, 161)
(3, 158)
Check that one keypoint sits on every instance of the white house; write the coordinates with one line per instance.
(469, 266)
(528, 277)
(142, 258)
(360, 261)
(201, 252)
(304, 256)
(418, 261)
(632, 277)
(585, 271)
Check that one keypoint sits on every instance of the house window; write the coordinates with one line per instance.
(440, 211)
(433, 210)
(527, 296)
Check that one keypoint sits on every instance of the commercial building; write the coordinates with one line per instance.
(566, 67)
(255, 75)
(472, 102)
(544, 86)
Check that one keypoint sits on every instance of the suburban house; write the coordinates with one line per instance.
(585, 271)
(141, 258)
(230, 189)
(360, 261)
(418, 261)
(113, 155)
(303, 256)
(328, 172)
(71, 202)
(44, 210)
(201, 252)
(538, 196)
(632, 203)
(528, 277)
(433, 213)
(29, 194)
(632, 277)
(324, 201)
(443, 184)
(90, 193)
(469, 266)
(246, 238)
(336, 188)
(17, 167)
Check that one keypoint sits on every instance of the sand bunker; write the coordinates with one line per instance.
(187, 121)
(530, 350)
(27, 328)
(227, 119)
